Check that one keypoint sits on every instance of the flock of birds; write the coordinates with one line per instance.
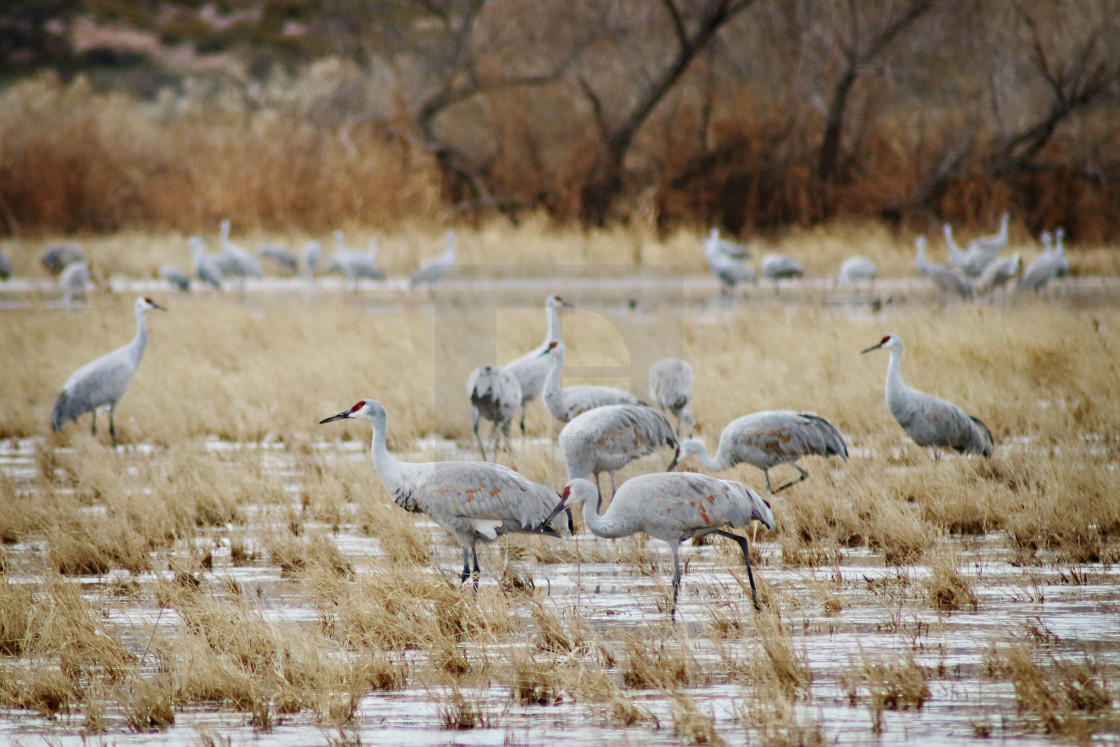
(604, 430)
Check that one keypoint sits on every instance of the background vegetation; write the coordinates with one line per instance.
(754, 115)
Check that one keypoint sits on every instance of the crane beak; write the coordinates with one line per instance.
(873, 347)
(559, 507)
(340, 416)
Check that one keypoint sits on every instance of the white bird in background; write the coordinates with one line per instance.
(606, 439)
(312, 256)
(1043, 268)
(944, 278)
(725, 261)
(670, 386)
(566, 403)
(532, 369)
(993, 245)
(437, 268)
(355, 265)
(236, 261)
(105, 380)
(495, 396)
(998, 273)
(1060, 250)
(74, 281)
(281, 256)
(175, 278)
(769, 438)
(928, 420)
(971, 261)
(57, 257)
(673, 507)
(856, 269)
(475, 501)
(207, 268)
(780, 267)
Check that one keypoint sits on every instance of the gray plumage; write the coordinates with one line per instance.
(999, 272)
(670, 386)
(532, 369)
(354, 264)
(207, 268)
(945, 279)
(312, 256)
(281, 256)
(673, 507)
(5, 267)
(929, 420)
(495, 395)
(768, 438)
(781, 267)
(57, 257)
(74, 281)
(175, 277)
(606, 439)
(856, 269)
(236, 262)
(725, 261)
(1045, 267)
(437, 268)
(475, 501)
(970, 261)
(566, 403)
(105, 380)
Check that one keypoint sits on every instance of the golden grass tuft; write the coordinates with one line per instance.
(889, 685)
(948, 589)
(665, 664)
(775, 663)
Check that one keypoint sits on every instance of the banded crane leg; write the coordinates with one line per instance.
(470, 553)
(742, 541)
(804, 474)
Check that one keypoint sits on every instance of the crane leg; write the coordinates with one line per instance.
(613, 488)
(476, 574)
(804, 474)
(522, 420)
(93, 428)
(742, 542)
(599, 490)
(112, 428)
(466, 565)
(479, 439)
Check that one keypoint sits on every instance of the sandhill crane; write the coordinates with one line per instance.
(74, 281)
(495, 396)
(998, 273)
(929, 420)
(606, 439)
(475, 501)
(725, 261)
(236, 261)
(207, 268)
(281, 256)
(1043, 268)
(57, 257)
(435, 269)
(769, 438)
(1060, 250)
(5, 267)
(780, 267)
(105, 380)
(855, 269)
(312, 256)
(945, 279)
(355, 265)
(670, 386)
(992, 244)
(175, 277)
(566, 403)
(532, 369)
(673, 507)
(970, 261)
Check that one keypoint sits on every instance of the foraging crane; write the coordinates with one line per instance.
(312, 256)
(670, 386)
(281, 256)
(475, 501)
(566, 403)
(495, 395)
(74, 281)
(1043, 268)
(207, 268)
(57, 257)
(355, 265)
(855, 269)
(606, 439)
(435, 269)
(780, 267)
(725, 261)
(236, 261)
(999, 272)
(768, 438)
(532, 369)
(945, 279)
(105, 380)
(929, 420)
(673, 507)
(175, 277)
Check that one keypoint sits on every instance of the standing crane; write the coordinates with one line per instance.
(769, 438)
(105, 380)
(970, 261)
(532, 369)
(1046, 266)
(606, 439)
(281, 256)
(929, 420)
(944, 278)
(73, 281)
(495, 396)
(236, 261)
(672, 507)
(312, 256)
(475, 501)
(175, 277)
(855, 269)
(725, 259)
(999, 272)
(354, 264)
(437, 268)
(56, 257)
(566, 403)
(670, 386)
(780, 267)
(207, 268)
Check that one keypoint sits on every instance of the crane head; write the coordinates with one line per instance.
(147, 303)
(359, 408)
(551, 347)
(890, 342)
(556, 302)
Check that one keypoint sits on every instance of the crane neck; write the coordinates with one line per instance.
(553, 324)
(601, 526)
(388, 469)
(718, 464)
(136, 347)
(894, 374)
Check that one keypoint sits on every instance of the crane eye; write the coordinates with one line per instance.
(358, 406)
(885, 340)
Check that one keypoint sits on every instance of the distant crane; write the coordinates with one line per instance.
(532, 369)
(281, 256)
(780, 267)
(437, 268)
(355, 265)
(475, 501)
(236, 261)
(207, 268)
(312, 256)
(5, 267)
(971, 261)
(928, 420)
(670, 386)
(993, 244)
(56, 257)
(495, 395)
(175, 277)
(944, 278)
(857, 269)
(105, 380)
(606, 439)
(566, 403)
(768, 438)
(1043, 268)
(74, 281)
(673, 507)
(725, 261)
(998, 273)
